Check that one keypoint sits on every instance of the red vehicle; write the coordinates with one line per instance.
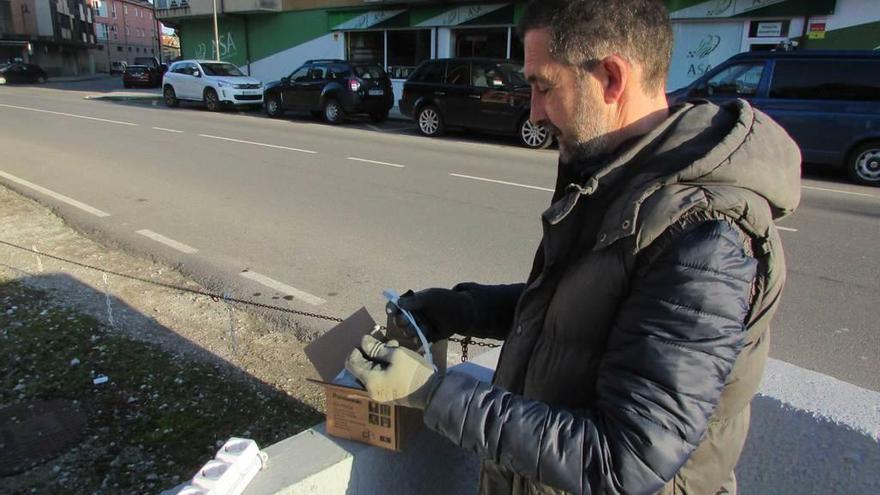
(141, 75)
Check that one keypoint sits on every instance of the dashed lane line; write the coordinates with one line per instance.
(55, 195)
(241, 141)
(504, 182)
(179, 246)
(375, 162)
(108, 121)
(175, 131)
(839, 191)
(283, 288)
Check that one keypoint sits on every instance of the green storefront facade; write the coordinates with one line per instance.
(399, 36)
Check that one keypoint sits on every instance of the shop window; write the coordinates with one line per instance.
(406, 50)
(366, 47)
(489, 43)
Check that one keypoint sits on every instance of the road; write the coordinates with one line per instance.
(296, 213)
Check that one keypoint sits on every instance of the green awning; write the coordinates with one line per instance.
(350, 20)
(714, 9)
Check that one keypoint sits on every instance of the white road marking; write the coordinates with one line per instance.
(502, 182)
(70, 115)
(377, 163)
(283, 288)
(257, 144)
(55, 195)
(183, 248)
(838, 191)
(786, 229)
(168, 130)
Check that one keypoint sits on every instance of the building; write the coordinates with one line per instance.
(125, 29)
(54, 34)
(270, 38)
(170, 47)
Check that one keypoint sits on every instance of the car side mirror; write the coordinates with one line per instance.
(197, 74)
(163, 68)
(285, 81)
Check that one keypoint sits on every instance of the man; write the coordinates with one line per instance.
(634, 348)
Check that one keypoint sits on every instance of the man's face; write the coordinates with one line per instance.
(568, 101)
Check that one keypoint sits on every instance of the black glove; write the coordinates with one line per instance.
(440, 313)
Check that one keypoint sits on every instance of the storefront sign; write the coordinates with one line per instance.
(461, 15)
(367, 20)
(817, 29)
(722, 8)
(699, 47)
(769, 30)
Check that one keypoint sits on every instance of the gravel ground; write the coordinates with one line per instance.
(185, 372)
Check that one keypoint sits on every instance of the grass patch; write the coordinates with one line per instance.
(158, 418)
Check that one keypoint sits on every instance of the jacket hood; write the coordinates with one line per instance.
(731, 156)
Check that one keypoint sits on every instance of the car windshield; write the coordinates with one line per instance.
(369, 72)
(222, 70)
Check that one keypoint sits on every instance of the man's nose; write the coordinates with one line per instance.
(537, 113)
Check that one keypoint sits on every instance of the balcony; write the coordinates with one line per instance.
(171, 10)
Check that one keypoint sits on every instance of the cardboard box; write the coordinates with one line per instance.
(350, 412)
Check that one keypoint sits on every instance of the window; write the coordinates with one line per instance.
(366, 47)
(826, 80)
(489, 43)
(102, 31)
(406, 50)
(125, 8)
(300, 75)
(458, 74)
(369, 72)
(317, 72)
(432, 73)
(221, 69)
(127, 31)
(339, 72)
(118, 48)
(736, 80)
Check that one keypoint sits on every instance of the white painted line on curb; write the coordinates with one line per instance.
(71, 115)
(838, 191)
(257, 144)
(786, 229)
(377, 163)
(183, 248)
(168, 130)
(502, 182)
(55, 195)
(283, 288)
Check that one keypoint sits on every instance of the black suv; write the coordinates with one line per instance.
(480, 94)
(332, 89)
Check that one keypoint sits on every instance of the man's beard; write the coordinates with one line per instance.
(590, 132)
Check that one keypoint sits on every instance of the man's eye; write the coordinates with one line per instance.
(542, 89)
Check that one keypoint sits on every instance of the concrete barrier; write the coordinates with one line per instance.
(810, 434)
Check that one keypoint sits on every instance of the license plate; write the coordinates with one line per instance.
(376, 92)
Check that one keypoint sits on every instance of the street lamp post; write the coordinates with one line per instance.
(216, 34)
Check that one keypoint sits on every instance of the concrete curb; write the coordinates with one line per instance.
(810, 434)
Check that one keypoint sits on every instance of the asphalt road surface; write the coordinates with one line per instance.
(299, 214)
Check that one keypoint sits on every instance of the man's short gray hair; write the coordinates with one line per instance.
(585, 31)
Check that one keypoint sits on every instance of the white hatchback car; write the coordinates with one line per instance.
(214, 83)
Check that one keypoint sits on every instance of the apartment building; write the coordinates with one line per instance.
(124, 30)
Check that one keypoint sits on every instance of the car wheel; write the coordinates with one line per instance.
(863, 164)
(273, 107)
(170, 97)
(430, 122)
(534, 136)
(212, 101)
(380, 116)
(333, 112)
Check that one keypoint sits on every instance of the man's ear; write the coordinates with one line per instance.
(615, 75)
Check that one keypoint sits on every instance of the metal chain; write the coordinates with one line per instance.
(465, 342)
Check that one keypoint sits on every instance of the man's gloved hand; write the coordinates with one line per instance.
(440, 313)
(393, 374)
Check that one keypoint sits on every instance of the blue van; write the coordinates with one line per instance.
(828, 101)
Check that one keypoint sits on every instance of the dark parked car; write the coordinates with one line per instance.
(332, 89)
(154, 67)
(479, 94)
(22, 73)
(829, 101)
(141, 75)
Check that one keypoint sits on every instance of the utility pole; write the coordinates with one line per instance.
(216, 34)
